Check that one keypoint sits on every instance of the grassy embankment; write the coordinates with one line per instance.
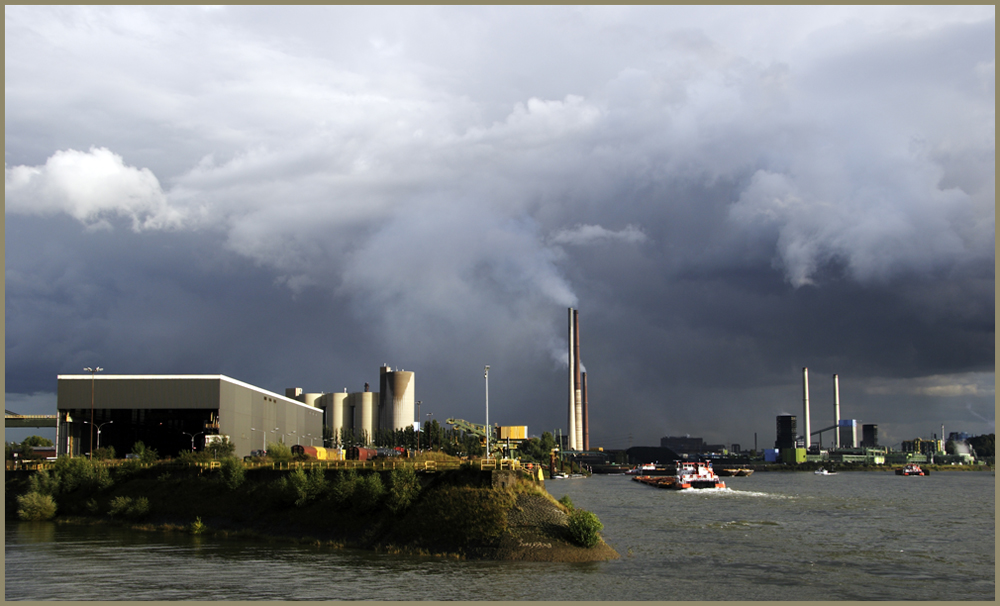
(457, 512)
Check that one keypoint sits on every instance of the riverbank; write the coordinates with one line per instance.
(466, 513)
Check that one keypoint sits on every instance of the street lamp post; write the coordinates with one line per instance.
(419, 402)
(99, 426)
(193, 435)
(430, 436)
(93, 372)
(486, 374)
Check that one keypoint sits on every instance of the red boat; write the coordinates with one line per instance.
(911, 469)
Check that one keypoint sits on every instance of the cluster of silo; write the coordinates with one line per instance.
(366, 411)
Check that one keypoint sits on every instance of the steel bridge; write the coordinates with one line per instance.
(12, 419)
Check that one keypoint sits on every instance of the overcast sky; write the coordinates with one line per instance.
(295, 196)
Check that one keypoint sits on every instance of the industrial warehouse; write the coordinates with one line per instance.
(173, 413)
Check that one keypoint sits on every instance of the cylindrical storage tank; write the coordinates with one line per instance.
(368, 405)
(335, 411)
(309, 398)
(398, 398)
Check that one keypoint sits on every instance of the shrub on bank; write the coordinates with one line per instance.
(404, 488)
(584, 528)
(34, 506)
(233, 472)
(368, 492)
(127, 507)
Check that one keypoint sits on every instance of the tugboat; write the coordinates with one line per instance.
(911, 469)
(688, 475)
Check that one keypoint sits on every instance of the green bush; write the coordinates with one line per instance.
(368, 492)
(197, 527)
(233, 472)
(127, 507)
(299, 487)
(221, 449)
(191, 457)
(72, 473)
(104, 453)
(567, 502)
(404, 488)
(278, 452)
(43, 482)
(35, 506)
(584, 528)
(342, 489)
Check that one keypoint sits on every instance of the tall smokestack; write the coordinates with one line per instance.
(571, 421)
(836, 411)
(586, 418)
(577, 382)
(805, 403)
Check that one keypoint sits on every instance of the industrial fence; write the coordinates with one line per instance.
(378, 464)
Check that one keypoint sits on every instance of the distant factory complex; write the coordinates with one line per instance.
(173, 413)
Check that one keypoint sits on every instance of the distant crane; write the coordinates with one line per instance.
(473, 428)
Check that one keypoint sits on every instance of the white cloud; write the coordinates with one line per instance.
(90, 186)
(582, 235)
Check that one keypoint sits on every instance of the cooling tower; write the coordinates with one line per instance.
(396, 401)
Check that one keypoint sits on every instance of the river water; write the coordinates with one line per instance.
(771, 536)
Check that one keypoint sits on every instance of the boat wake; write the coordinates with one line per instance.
(732, 493)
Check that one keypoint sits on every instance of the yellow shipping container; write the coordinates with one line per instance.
(514, 432)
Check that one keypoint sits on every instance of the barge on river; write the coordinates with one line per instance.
(911, 469)
(689, 475)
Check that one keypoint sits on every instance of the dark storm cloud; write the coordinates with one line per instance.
(293, 196)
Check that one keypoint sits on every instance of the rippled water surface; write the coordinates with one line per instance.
(772, 536)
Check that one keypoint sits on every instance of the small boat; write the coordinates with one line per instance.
(688, 475)
(823, 472)
(911, 469)
(639, 470)
(734, 472)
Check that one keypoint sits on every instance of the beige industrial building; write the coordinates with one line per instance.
(173, 412)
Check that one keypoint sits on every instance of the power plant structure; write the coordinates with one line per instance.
(366, 412)
(845, 431)
(578, 419)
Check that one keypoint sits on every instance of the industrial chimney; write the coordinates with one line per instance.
(805, 404)
(577, 382)
(586, 418)
(571, 420)
(836, 411)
